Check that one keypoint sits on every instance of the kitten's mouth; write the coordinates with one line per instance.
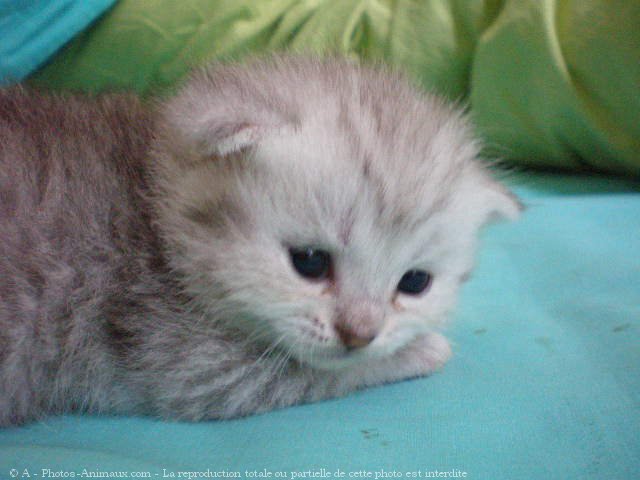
(335, 357)
(313, 344)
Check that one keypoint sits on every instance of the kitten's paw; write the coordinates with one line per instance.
(421, 357)
(426, 354)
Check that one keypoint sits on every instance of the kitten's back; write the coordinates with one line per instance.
(71, 216)
(53, 146)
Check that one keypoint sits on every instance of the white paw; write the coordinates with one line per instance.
(422, 356)
(427, 353)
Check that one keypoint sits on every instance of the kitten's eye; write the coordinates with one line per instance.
(414, 282)
(311, 263)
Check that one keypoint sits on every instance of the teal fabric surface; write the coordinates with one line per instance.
(33, 30)
(544, 383)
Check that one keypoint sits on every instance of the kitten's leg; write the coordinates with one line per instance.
(421, 357)
(242, 386)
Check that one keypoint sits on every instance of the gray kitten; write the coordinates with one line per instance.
(279, 232)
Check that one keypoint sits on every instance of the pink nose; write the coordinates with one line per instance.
(354, 339)
(358, 322)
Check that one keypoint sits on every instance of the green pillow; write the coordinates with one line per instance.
(551, 83)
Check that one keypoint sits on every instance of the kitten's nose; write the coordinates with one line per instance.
(358, 322)
(352, 339)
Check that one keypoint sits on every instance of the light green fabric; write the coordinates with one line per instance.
(148, 46)
(551, 83)
(557, 83)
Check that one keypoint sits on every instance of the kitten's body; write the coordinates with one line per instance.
(142, 267)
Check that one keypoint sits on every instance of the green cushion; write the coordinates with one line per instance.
(557, 83)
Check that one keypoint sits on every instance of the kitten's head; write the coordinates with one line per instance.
(324, 207)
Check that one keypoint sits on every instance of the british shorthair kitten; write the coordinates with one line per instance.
(279, 232)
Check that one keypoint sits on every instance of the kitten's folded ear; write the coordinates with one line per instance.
(224, 109)
(220, 137)
(491, 201)
(502, 204)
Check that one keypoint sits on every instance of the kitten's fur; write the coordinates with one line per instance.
(144, 263)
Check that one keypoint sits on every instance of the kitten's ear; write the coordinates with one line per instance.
(491, 200)
(216, 128)
(501, 203)
(225, 108)
(221, 139)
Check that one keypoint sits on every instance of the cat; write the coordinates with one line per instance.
(279, 231)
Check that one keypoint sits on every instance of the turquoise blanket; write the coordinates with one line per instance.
(544, 382)
(33, 30)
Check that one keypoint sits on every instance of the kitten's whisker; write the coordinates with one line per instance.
(258, 334)
(288, 354)
(268, 351)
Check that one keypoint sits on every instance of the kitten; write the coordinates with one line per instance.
(280, 232)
